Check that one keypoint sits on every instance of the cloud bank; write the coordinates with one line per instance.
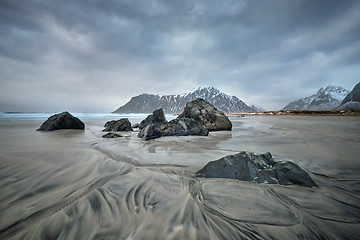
(96, 55)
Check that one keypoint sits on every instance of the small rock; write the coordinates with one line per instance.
(112, 135)
(136, 125)
(62, 120)
(122, 124)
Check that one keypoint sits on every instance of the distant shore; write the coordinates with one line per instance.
(299, 112)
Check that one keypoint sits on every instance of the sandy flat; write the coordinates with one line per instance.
(72, 184)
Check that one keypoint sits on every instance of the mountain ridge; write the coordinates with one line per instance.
(146, 103)
(327, 98)
(352, 99)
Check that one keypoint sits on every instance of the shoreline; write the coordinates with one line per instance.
(301, 112)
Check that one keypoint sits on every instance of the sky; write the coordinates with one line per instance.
(93, 56)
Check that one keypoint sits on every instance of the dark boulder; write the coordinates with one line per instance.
(62, 120)
(257, 168)
(289, 173)
(122, 124)
(235, 166)
(151, 131)
(157, 117)
(112, 135)
(176, 127)
(204, 112)
(136, 125)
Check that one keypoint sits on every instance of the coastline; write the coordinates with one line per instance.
(301, 112)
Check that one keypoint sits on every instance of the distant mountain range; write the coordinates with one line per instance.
(146, 103)
(327, 98)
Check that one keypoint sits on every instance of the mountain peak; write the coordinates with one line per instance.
(205, 88)
(327, 98)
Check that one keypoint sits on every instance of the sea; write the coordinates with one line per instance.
(41, 116)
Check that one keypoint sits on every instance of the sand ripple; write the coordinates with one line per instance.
(84, 187)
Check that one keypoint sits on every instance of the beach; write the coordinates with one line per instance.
(74, 184)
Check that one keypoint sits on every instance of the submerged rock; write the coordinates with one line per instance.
(176, 127)
(257, 168)
(112, 135)
(157, 117)
(204, 112)
(62, 120)
(122, 124)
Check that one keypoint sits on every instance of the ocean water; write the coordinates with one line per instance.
(15, 116)
(74, 184)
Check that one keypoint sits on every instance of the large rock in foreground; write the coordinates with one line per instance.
(122, 124)
(157, 117)
(257, 168)
(204, 112)
(176, 127)
(62, 120)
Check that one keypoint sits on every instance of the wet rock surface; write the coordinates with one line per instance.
(62, 120)
(204, 112)
(257, 168)
(122, 124)
(157, 117)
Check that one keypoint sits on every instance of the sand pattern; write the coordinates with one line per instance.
(71, 184)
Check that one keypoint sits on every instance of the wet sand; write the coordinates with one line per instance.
(72, 184)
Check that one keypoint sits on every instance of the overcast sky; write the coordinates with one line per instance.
(95, 55)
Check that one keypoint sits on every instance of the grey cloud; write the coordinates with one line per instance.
(265, 52)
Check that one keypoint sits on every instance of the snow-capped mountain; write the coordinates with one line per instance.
(325, 99)
(352, 100)
(146, 103)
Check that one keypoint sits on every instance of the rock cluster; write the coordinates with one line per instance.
(257, 168)
(62, 120)
(122, 124)
(199, 117)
